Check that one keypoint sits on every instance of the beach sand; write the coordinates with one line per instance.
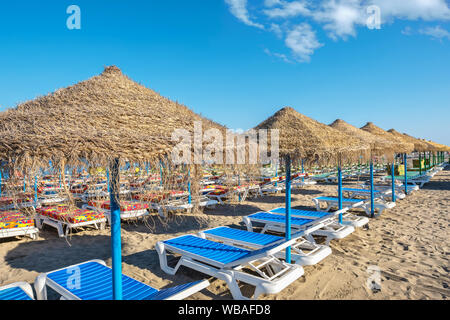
(408, 244)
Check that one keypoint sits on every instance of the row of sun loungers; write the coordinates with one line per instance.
(92, 280)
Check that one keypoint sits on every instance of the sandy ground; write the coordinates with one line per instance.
(408, 244)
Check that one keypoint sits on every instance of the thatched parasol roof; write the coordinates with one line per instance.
(399, 145)
(303, 137)
(438, 146)
(419, 145)
(105, 117)
(378, 145)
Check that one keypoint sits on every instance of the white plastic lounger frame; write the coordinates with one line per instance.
(98, 224)
(23, 286)
(265, 282)
(31, 232)
(315, 253)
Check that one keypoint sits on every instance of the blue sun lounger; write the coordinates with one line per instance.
(331, 202)
(276, 222)
(348, 219)
(304, 252)
(16, 291)
(268, 274)
(92, 280)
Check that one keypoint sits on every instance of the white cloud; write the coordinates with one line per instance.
(287, 9)
(275, 28)
(303, 42)
(239, 9)
(413, 9)
(277, 55)
(436, 32)
(340, 19)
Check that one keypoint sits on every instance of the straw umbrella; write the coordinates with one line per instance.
(104, 120)
(399, 146)
(304, 138)
(419, 145)
(378, 147)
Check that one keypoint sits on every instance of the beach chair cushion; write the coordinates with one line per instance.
(124, 205)
(211, 250)
(14, 220)
(335, 199)
(313, 214)
(14, 293)
(71, 215)
(271, 217)
(96, 284)
(261, 239)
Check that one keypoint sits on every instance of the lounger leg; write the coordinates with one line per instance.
(163, 259)
(40, 287)
(248, 224)
(317, 204)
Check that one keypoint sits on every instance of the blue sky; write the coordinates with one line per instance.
(237, 62)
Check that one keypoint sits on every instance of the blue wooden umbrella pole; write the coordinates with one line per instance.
(340, 191)
(189, 187)
(303, 171)
(405, 160)
(116, 244)
(35, 192)
(288, 207)
(393, 179)
(0, 181)
(420, 162)
(372, 203)
(107, 180)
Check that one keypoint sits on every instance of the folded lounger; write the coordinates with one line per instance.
(128, 209)
(332, 202)
(277, 223)
(304, 252)
(61, 216)
(16, 291)
(348, 219)
(92, 280)
(231, 264)
(14, 223)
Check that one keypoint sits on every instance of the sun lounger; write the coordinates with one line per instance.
(276, 222)
(92, 280)
(128, 209)
(269, 275)
(62, 216)
(16, 291)
(348, 219)
(304, 252)
(332, 202)
(14, 223)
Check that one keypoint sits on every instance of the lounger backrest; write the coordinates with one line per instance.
(13, 293)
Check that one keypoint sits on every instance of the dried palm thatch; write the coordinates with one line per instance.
(378, 145)
(303, 137)
(419, 145)
(438, 146)
(108, 116)
(399, 145)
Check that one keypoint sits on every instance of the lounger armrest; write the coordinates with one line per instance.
(344, 210)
